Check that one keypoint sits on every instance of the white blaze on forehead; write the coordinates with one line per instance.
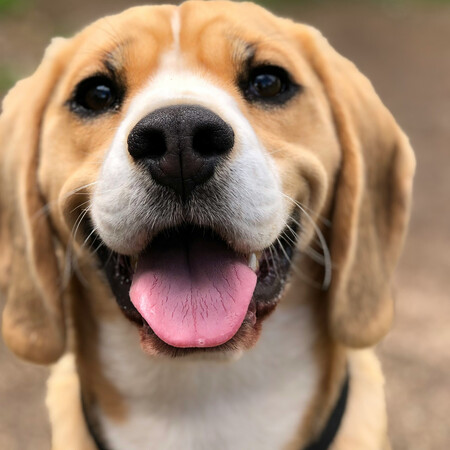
(173, 57)
(175, 23)
(251, 204)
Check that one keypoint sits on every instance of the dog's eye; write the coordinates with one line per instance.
(266, 82)
(96, 95)
(269, 84)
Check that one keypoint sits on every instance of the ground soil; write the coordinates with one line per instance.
(405, 52)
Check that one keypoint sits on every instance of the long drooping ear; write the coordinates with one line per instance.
(33, 319)
(372, 198)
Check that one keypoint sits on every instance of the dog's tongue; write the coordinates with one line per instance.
(193, 293)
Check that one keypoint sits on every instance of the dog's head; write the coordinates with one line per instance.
(194, 153)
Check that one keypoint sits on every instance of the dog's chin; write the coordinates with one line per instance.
(244, 339)
(270, 270)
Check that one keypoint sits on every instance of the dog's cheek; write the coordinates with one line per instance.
(305, 187)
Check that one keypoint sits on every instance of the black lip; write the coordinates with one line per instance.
(273, 273)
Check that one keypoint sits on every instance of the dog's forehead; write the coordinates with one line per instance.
(195, 20)
(208, 34)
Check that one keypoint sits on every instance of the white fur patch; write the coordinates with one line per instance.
(257, 401)
(176, 27)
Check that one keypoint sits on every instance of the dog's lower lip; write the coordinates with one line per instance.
(271, 266)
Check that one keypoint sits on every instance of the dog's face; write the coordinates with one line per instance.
(201, 136)
(192, 154)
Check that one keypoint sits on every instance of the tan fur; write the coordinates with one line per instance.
(87, 348)
(69, 431)
(365, 422)
(372, 200)
(33, 324)
(337, 150)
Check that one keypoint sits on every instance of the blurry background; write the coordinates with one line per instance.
(404, 48)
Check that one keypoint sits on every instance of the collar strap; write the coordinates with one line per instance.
(92, 428)
(323, 442)
(325, 439)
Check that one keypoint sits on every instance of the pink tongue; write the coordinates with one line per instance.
(193, 295)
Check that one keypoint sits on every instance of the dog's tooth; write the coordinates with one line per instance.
(134, 261)
(253, 262)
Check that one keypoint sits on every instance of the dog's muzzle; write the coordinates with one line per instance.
(197, 265)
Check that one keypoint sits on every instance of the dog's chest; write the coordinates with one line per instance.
(256, 401)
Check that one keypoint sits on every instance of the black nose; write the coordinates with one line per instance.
(180, 145)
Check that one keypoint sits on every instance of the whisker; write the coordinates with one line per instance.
(294, 269)
(99, 246)
(326, 252)
(78, 189)
(87, 239)
(274, 261)
(80, 205)
(71, 260)
(313, 254)
(283, 250)
(325, 221)
(48, 206)
(309, 251)
(296, 235)
(78, 222)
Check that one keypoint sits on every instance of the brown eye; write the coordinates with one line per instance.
(268, 84)
(98, 97)
(95, 95)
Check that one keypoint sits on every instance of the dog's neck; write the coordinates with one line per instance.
(259, 399)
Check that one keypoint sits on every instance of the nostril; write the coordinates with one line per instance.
(156, 142)
(147, 143)
(213, 139)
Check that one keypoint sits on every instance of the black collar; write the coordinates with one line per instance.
(92, 427)
(323, 441)
(331, 428)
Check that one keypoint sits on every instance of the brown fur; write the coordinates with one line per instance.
(355, 167)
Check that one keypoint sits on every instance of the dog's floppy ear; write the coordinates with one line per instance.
(371, 200)
(33, 319)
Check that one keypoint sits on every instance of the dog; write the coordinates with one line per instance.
(201, 211)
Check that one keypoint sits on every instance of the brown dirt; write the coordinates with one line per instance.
(404, 51)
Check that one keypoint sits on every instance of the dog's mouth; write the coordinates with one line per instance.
(190, 290)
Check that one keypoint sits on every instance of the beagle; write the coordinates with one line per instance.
(200, 219)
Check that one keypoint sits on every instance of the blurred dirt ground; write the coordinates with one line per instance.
(405, 51)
